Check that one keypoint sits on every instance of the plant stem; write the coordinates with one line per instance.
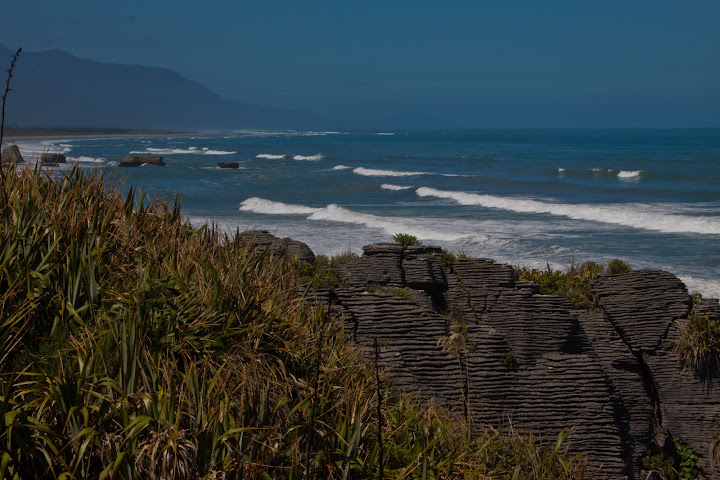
(7, 90)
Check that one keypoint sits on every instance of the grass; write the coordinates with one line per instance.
(136, 346)
(698, 344)
(574, 283)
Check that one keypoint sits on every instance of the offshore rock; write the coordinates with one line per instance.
(52, 159)
(228, 165)
(137, 161)
(12, 154)
(531, 360)
(270, 244)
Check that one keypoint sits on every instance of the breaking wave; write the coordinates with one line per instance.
(336, 213)
(308, 157)
(628, 216)
(390, 186)
(372, 172)
(270, 156)
(174, 151)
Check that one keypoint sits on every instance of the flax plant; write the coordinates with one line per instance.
(137, 346)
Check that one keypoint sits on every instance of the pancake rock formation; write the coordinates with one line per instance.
(270, 244)
(534, 360)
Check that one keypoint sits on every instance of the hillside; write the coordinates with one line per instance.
(56, 89)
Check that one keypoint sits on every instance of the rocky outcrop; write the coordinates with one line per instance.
(52, 158)
(137, 161)
(234, 165)
(532, 360)
(270, 244)
(12, 154)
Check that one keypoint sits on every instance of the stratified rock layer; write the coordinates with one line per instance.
(270, 244)
(532, 360)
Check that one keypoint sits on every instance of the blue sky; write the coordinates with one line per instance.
(466, 64)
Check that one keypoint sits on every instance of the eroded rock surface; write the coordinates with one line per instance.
(272, 245)
(533, 360)
(11, 154)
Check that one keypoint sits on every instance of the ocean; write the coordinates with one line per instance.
(525, 197)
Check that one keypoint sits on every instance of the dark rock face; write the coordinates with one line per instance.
(534, 360)
(136, 161)
(228, 165)
(11, 154)
(52, 159)
(272, 245)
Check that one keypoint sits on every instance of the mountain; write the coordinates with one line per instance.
(56, 89)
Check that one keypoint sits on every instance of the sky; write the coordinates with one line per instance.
(413, 64)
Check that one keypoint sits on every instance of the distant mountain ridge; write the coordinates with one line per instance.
(54, 88)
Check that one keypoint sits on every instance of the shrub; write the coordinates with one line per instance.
(405, 240)
(618, 267)
(698, 344)
(573, 284)
(448, 258)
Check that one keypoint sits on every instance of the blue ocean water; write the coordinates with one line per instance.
(527, 197)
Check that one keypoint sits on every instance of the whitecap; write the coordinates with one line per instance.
(179, 151)
(269, 156)
(629, 174)
(308, 157)
(634, 216)
(341, 167)
(372, 172)
(390, 186)
(84, 159)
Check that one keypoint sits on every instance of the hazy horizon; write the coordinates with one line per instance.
(414, 64)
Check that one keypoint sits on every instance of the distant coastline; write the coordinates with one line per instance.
(41, 133)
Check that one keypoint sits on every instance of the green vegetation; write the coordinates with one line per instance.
(574, 283)
(618, 267)
(508, 359)
(405, 240)
(698, 344)
(448, 258)
(136, 346)
(324, 272)
(681, 463)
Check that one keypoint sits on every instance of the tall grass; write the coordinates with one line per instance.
(136, 346)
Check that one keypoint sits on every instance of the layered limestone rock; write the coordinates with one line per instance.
(531, 360)
(272, 245)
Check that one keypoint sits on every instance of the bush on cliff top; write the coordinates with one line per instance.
(135, 346)
(698, 344)
(574, 283)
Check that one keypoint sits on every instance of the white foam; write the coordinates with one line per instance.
(708, 288)
(372, 172)
(336, 213)
(561, 170)
(341, 167)
(629, 173)
(634, 216)
(308, 157)
(390, 186)
(385, 133)
(179, 151)
(270, 156)
(84, 159)
(260, 205)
